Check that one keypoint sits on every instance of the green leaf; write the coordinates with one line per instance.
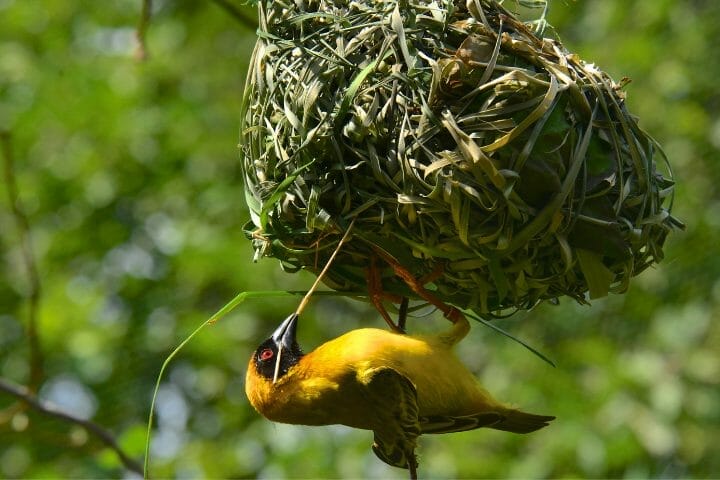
(498, 275)
(278, 194)
(597, 275)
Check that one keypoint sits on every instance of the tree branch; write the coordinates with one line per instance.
(236, 14)
(25, 395)
(141, 52)
(33, 294)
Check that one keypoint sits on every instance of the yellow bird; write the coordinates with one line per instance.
(399, 386)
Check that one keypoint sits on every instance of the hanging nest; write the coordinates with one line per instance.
(473, 151)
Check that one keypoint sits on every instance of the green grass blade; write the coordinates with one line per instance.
(532, 349)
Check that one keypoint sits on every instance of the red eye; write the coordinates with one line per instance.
(266, 354)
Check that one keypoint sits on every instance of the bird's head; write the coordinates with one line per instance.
(269, 364)
(274, 357)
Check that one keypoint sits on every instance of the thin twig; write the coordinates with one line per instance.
(24, 394)
(141, 52)
(306, 298)
(236, 14)
(33, 294)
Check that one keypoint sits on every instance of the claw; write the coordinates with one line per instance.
(376, 297)
(417, 286)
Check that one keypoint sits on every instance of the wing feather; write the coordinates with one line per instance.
(395, 400)
(508, 420)
(448, 424)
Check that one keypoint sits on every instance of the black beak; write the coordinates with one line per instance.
(284, 335)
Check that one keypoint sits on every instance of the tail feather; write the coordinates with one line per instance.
(517, 421)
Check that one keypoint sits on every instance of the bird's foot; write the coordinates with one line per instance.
(377, 295)
(418, 285)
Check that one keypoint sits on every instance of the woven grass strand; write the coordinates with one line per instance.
(460, 140)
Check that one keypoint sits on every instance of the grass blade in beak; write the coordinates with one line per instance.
(277, 363)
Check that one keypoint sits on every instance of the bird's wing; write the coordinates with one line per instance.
(394, 399)
(448, 424)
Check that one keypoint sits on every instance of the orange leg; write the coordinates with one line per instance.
(376, 297)
(417, 286)
(432, 276)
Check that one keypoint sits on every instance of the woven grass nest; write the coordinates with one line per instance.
(466, 146)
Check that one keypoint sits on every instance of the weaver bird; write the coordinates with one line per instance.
(399, 386)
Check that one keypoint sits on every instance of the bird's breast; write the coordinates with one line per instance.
(312, 396)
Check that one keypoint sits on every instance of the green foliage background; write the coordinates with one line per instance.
(128, 174)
